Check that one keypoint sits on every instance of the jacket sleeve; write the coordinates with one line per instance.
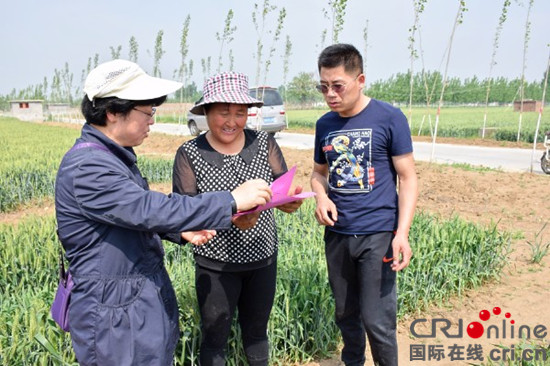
(106, 192)
(173, 237)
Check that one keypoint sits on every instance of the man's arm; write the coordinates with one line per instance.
(326, 212)
(408, 194)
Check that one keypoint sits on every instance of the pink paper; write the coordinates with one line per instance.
(280, 188)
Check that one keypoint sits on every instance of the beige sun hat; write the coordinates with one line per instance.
(226, 87)
(126, 80)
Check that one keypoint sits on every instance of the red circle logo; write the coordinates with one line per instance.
(475, 329)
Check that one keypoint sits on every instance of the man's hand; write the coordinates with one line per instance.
(326, 212)
(402, 253)
(245, 222)
(198, 237)
(251, 194)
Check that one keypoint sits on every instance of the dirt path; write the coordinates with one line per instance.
(518, 202)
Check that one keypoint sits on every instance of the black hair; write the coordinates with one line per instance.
(341, 54)
(96, 112)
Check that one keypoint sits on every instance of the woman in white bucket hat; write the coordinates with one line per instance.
(123, 309)
(237, 268)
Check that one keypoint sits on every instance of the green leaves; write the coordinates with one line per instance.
(450, 256)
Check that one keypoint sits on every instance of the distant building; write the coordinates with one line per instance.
(58, 108)
(27, 110)
(529, 105)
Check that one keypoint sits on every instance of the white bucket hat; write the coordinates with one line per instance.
(126, 80)
(226, 87)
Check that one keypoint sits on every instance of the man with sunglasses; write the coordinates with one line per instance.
(363, 148)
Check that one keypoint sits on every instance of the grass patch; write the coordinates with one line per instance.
(31, 155)
(457, 122)
(450, 256)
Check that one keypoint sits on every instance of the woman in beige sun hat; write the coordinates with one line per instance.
(237, 268)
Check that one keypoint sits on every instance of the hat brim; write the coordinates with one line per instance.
(222, 98)
(145, 87)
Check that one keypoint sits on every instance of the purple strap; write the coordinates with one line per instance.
(60, 306)
(83, 145)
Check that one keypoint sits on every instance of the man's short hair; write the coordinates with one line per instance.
(341, 54)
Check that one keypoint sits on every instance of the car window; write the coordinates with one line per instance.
(271, 97)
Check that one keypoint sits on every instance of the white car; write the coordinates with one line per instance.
(270, 118)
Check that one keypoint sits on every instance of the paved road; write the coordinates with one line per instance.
(508, 159)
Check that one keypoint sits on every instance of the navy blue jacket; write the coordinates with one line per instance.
(123, 308)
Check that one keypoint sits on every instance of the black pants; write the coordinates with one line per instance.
(363, 286)
(219, 294)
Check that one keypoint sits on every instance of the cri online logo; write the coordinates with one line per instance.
(476, 329)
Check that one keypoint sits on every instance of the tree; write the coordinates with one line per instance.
(205, 64)
(159, 52)
(133, 50)
(522, 85)
(45, 87)
(184, 50)
(302, 90)
(67, 79)
(231, 60)
(365, 49)
(226, 36)
(337, 13)
(190, 91)
(85, 72)
(544, 85)
(501, 21)
(418, 6)
(286, 60)
(458, 20)
(277, 34)
(189, 71)
(55, 93)
(259, 26)
(115, 52)
(321, 44)
(89, 66)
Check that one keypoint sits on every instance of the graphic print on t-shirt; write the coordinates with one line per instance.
(348, 154)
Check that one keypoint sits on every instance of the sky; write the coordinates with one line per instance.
(41, 36)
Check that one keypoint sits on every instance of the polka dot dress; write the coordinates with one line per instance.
(235, 245)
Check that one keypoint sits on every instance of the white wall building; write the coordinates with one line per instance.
(27, 110)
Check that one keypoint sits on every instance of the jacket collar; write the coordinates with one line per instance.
(92, 134)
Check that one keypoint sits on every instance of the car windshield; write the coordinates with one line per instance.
(270, 96)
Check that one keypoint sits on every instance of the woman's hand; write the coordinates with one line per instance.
(198, 237)
(252, 193)
(245, 222)
(292, 206)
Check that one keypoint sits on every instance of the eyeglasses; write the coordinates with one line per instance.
(338, 88)
(154, 110)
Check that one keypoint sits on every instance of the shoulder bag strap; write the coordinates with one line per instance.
(63, 275)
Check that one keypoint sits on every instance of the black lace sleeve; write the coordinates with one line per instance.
(275, 158)
(183, 175)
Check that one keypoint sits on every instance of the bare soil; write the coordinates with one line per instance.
(516, 202)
